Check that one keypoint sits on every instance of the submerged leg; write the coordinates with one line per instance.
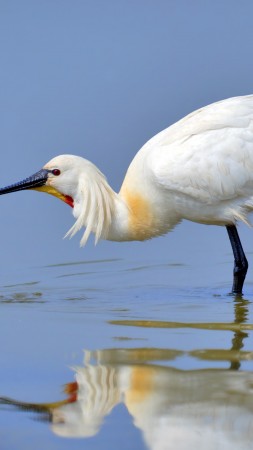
(241, 263)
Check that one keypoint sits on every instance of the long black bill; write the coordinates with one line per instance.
(34, 181)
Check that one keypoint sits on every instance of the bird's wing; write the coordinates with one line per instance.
(208, 155)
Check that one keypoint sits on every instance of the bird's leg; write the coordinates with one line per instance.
(241, 263)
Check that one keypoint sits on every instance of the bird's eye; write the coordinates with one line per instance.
(56, 172)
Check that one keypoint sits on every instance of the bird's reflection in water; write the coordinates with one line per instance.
(173, 408)
(208, 408)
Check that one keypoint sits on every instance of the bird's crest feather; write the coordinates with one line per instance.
(96, 206)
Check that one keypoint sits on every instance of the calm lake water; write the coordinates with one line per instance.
(118, 354)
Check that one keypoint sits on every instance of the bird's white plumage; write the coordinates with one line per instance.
(200, 169)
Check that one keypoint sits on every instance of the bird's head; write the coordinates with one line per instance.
(63, 177)
(80, 184)
(60, 177)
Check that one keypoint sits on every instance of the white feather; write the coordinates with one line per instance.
(94, 206)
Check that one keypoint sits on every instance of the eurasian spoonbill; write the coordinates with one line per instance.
(199, 169)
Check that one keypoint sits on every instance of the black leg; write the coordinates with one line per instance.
(241, 263)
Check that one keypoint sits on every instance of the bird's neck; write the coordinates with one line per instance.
(116, 217)
(132, 214)
(133, 218)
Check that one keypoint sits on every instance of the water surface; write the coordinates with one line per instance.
(120, 354)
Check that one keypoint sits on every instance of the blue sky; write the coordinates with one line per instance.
(99, 78)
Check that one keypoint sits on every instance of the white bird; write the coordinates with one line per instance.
(199, 169)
